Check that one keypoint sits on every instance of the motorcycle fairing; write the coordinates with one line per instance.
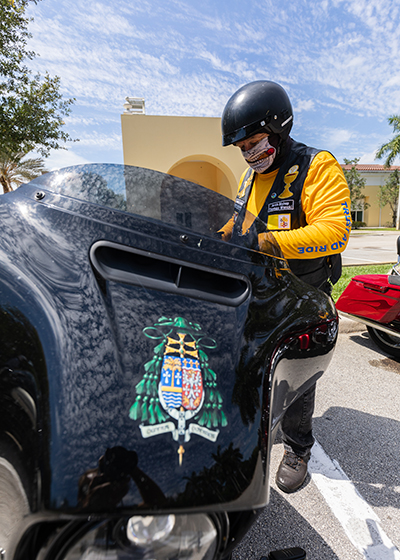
(79, 277)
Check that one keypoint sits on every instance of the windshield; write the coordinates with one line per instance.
(150, 194)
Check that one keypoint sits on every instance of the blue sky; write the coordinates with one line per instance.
(339, 61)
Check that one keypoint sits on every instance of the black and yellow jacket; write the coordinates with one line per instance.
(305, 204)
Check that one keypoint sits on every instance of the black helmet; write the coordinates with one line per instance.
(260, 106)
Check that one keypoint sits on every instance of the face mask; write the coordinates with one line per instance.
(261, 156)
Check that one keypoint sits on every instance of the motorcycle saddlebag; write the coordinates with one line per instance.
(371, 296)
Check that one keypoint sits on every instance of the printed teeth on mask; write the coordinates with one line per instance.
(257, 158)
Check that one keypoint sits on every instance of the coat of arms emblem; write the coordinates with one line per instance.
(178, 392)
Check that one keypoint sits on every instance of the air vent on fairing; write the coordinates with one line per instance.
(129, 265)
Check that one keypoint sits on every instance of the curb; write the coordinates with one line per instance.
(349, 326)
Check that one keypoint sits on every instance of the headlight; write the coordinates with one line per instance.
(144, 530)
(161, 537)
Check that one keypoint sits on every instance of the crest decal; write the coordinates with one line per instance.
(178, 392)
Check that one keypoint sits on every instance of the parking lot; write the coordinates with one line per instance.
(349, 507)
(371, 247)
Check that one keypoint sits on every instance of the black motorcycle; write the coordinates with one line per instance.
(145, 365)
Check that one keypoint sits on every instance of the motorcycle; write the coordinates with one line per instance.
(374, 300)
(145, 365)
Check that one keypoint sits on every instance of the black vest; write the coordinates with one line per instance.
(283, 209)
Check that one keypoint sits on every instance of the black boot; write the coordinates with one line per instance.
(292, 472)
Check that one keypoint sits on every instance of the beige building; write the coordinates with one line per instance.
(190, 148)
(375, 176)
(187, 147)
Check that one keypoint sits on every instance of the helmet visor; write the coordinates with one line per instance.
(245, 131)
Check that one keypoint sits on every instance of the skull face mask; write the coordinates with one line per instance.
(261, 156)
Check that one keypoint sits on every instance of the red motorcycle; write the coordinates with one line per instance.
(374, 299)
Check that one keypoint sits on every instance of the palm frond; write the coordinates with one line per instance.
(15, 170)
(391, 149)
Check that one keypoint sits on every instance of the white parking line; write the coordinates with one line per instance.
(359, 521)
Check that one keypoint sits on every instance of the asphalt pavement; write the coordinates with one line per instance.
(349, 505)
(371, 247)
(352, 510)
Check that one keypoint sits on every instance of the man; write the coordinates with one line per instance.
(301, 195)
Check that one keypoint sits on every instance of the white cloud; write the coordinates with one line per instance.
(392, 81)
(102, 141)
(87, 121)
(335, 137)
(303, 105)
(369, 158)
(187, 59)
(63, 158)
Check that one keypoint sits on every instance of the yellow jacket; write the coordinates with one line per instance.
(325, 201)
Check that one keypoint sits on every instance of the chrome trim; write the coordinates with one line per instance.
(369, 323)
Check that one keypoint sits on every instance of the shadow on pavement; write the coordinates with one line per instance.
(367, 448)
(281, 526)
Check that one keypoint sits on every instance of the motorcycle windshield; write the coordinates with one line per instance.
(158, 196)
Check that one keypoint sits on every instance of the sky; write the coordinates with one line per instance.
(339, 61)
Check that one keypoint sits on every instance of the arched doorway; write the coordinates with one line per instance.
(208, 172)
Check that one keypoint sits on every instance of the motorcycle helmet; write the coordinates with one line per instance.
(260, 106)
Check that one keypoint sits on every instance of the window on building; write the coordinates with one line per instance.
(357, 212)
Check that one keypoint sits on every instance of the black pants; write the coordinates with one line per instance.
(296, 425)
(297, 422)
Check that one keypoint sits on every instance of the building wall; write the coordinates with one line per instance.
(188, 147)
(375, 216)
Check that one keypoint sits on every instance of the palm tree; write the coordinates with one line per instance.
(392, 148)
(14, 170)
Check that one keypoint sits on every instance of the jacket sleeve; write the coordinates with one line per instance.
(326, 203)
